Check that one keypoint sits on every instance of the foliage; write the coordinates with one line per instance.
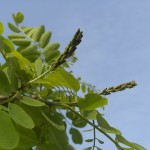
(38, 96)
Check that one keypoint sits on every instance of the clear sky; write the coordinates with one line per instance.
(115, 49)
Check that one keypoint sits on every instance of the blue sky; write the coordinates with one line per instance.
(115, 49)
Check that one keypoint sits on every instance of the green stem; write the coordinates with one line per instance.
(41, 76)
(94, 135)
(8, 99)
(59, 104)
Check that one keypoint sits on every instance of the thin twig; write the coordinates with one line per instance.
(94, 134)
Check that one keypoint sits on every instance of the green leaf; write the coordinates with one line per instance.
(16, 36)
(101, 142)
(76, 136)
(92, 101)
(38, 67)
(88, 148)
(44, 40)
(122, 140)
(21, 42)
(5, 87)
(34, 113)
(20, 116)
(6, 45)
(135, 146)
(25, 64)
(38, 33)
(1, 28)
(9, 137)
(27, 138)
(89, 140)
(29, 50)
(32, 102)
(32, 58)
(90, 114)
(61, 77)
(71, 115)
(53, 121)
(3, 108)
(26, 29)
(102, 122)
(83, 88)
(89, 90)
(112, 130)
(1, 43)
(46, 146)
(66, 79)
(51, 47)
(105, 125)
(13, 27)
(88, 130)
(56, 140)
(12, 77)
(22, 71)
(78, 122)
(18, 18)
(31, 32)
(9, 47)
(51, 51)
(98, 148)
